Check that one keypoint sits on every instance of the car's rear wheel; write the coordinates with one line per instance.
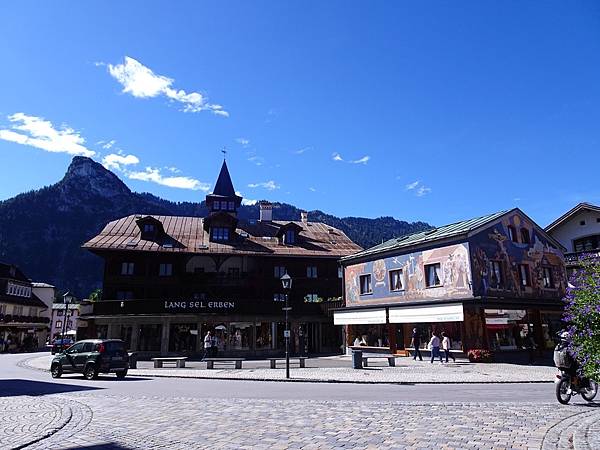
(90, 372)
(121, 374)
(56, 370)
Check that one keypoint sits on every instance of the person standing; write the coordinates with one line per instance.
(446, 345)
(415, 343)
(214, 349)
(434, 346)
(207, 345)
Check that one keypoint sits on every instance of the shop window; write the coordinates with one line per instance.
(183, 337)
(264, 335)
(311, 272)
(496, 276)
(548, 280)
(127, 268)
(365, 284)
(279, 271)
(233, 272)
(512, 233)
(240, 335)
(396, 280)
(525, 239)
(165, 270)
(311, 298)
(150, 337)
(278, 297)
(524, 275)
(433, 275)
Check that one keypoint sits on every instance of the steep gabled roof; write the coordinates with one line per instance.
(584, 206)
(224, 186)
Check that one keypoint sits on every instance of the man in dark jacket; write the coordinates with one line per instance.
(415, 343)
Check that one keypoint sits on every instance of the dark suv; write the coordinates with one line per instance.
(91, 357)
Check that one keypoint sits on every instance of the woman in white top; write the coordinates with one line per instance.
(434, 346)
(446, 344)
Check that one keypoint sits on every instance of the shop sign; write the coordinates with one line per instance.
(197, 305)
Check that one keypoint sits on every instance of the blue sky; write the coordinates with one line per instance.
(435, 112)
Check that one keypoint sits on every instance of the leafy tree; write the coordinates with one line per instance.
(95, 295)
(582, 315)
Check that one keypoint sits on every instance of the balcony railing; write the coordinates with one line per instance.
(573, 258)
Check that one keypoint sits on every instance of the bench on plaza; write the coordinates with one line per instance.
(210, 362)
(179, 361)
(390, 358)
(300, 359)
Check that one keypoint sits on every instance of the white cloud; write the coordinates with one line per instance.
(116, 161)
(269, 185)
(423, 190)
(337, 157)
(141, 82)
(173, 169)
(312, 189)
(249, 202)
(155, 176)
(258, 160)
(302, 150)
(243, 141)
(108, 145)
(40, 133)
(363, 160)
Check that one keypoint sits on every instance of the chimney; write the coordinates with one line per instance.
(266, 211)
(304, 216)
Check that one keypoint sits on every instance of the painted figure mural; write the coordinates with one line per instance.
(403, 278)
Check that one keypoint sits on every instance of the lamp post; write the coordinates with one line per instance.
(67, 298)
(286, 281)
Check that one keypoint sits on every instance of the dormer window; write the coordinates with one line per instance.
(219, 234)
(217, 205)
(149, 228)
(231, 206)
(289, 238)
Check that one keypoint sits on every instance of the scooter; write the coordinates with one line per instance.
(568, 385)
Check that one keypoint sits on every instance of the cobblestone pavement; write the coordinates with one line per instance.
(406, 371)
(90, 419)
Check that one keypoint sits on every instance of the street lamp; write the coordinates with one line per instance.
(286, 282)
(67, 299)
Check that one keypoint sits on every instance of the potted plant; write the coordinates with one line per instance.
(479, 355)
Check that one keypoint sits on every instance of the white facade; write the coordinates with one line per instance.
(583, 221)
(58, 318)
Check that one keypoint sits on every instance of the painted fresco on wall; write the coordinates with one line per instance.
(454, 274)
(494, 244)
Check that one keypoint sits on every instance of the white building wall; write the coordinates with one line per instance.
(572, 229)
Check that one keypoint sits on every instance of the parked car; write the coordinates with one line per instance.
(58, 345)
(91, 357)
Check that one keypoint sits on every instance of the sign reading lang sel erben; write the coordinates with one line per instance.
(197, 305)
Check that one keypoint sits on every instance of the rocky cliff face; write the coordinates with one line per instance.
(42, 231)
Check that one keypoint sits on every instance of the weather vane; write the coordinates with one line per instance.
(224, 151)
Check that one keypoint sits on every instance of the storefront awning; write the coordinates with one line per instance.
(427, 314)
(364, 317)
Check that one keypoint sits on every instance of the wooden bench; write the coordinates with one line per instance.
(301, 360)
(210, 362)
(391, 359)
(179, 361)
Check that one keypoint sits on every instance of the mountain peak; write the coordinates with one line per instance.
(86, 174)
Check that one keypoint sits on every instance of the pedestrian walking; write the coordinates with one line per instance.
(530, 346)
(434, 346)
(446, 346)
(415, 343)
(207, 345)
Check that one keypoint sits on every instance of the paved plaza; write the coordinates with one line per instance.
(37, 412)
(339, 369)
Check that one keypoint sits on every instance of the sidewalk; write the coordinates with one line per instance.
(337, 369)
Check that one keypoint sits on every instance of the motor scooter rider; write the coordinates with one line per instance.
(568, 362)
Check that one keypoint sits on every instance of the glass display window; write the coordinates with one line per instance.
(240, 335)
(183, 337)
(264, 335)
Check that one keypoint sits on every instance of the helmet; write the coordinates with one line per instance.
(564, 335)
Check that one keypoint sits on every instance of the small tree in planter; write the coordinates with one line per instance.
(479, 355)
(582, 315)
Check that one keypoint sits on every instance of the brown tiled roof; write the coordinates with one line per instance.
(188, 236)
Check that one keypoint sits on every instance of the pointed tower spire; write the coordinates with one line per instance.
(224, 186)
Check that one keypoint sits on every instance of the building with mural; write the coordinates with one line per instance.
(488, 282)
(168, 280)
(578, 230)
